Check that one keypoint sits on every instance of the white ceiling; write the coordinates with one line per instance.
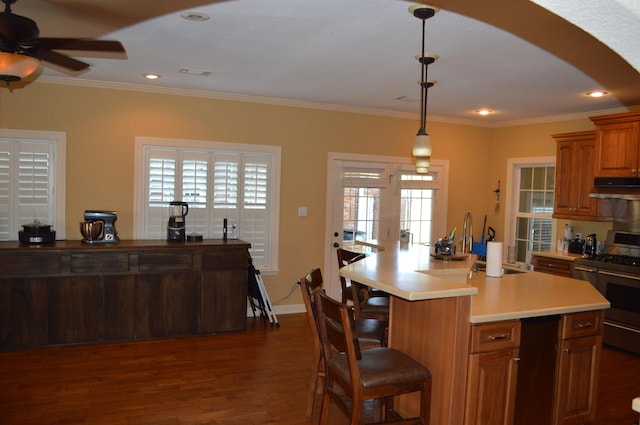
(516, 58)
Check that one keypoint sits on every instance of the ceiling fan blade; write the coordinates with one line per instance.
(63, 60)
(80, 44)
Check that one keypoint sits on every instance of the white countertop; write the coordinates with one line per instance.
(412, 274)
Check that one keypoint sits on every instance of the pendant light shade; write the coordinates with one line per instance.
(422, 165)
(16, 66)
(422, 142)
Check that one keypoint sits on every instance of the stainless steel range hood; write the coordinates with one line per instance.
(626, 188)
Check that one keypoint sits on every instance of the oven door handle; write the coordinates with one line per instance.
(624, 276)
(585, 269)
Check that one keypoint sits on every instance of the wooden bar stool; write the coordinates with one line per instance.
(354, 375)
(372, 333)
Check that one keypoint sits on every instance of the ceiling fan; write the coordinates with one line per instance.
(22, 48)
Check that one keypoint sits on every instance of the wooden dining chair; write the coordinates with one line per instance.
(372, 333)
(354, 375)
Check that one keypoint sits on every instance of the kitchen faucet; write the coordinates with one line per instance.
(467, 238)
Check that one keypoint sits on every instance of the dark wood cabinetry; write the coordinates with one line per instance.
(69, 293)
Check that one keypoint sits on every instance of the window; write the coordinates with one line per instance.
(32, 181)
(533, 227)
(417, 196)
(218, 181)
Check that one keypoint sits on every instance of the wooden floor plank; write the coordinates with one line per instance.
(256, 377)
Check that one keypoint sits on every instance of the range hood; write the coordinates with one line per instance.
(627, 188)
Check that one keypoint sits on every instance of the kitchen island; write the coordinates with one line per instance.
(520, 349)
(70, 292)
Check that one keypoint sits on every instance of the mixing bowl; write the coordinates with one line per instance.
(90, 230)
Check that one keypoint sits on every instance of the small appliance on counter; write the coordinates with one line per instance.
(576, 246)
(176, 226)
(36, 233)
(590, 246)
(99, 227)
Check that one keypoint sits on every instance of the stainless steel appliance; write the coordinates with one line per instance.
(99, 227)
(616, 274)
(176, 227)
(590, 246)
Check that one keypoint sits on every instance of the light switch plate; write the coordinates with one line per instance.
(302, 211)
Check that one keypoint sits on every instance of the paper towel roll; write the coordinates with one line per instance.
(494, 259)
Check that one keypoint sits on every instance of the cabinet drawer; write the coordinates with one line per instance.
(99, 263)
(155, 262)
(495, 336)
(554, 266)
(30, 265)
(225, 260)
(586, 323)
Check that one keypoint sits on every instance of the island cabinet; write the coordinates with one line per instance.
(575, 166)
(492, 375)
(617, 145)
(578, 361)
(70, 292)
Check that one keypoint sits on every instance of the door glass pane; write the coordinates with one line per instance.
(416, 213)
(361, 213)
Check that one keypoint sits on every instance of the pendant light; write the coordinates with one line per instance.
(422, 141)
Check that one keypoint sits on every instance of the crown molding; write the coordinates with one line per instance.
(320, 106)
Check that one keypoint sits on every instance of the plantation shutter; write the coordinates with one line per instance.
(26, 185)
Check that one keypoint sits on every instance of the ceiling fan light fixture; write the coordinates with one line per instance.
(16, 66)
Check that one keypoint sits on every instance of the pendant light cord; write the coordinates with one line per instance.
(423, 76)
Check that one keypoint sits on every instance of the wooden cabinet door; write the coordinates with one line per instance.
(491, 388)
(577, 380)
(617, 149)
(565, 171)
(575, 166)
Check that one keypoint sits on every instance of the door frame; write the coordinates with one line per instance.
(331, 280)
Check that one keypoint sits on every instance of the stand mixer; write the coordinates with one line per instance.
(176, 226)
(99, 227)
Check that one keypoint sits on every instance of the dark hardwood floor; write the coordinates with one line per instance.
(251, 378)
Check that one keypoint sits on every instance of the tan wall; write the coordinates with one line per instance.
(101, 126)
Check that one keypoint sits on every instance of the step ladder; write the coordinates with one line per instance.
(258, 297)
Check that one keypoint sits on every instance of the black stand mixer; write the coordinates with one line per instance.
(176, 226)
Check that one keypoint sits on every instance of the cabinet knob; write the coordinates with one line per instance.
(516, 359)
(585, 324)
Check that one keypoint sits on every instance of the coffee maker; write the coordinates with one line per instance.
(99, 227)
(176, 226)
(590, 246)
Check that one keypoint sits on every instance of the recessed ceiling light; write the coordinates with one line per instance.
(151, 76)
(597, 93)
(484, 111)
(195, 16)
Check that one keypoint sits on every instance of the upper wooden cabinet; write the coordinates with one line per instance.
(617, 145)
(575, 157)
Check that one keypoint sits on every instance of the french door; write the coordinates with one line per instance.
(373, 198)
